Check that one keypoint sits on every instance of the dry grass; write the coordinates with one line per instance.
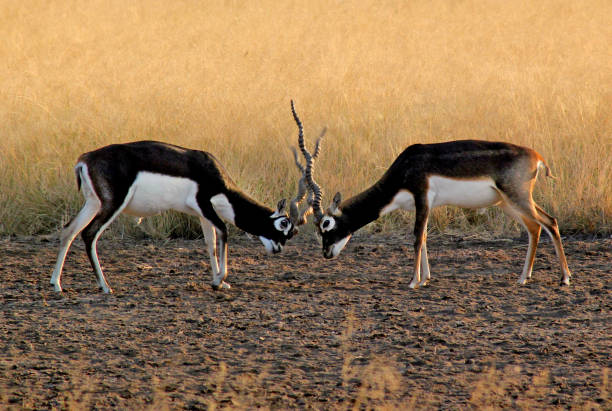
(380, 75)
(376, 384)
(379, 381)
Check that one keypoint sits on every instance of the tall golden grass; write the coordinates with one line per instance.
(380, 75)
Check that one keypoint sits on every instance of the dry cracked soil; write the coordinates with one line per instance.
(297, 331)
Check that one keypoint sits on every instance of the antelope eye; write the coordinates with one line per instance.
(282, 224)
(328, 224)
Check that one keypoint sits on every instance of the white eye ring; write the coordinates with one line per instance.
(282, 224)
(327, 224)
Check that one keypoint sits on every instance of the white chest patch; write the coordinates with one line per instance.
(463, 193)
(155, 193)
(223, 207)
(403, 200)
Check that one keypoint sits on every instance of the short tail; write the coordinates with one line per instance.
(78, 169)
(542, 164)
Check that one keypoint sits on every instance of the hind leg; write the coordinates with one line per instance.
(68, 234)
(530, 215)
(533, 231)
(526, 216)
(92, 232)
(550, 226)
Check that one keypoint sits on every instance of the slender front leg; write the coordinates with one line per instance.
(215, 227)
(425, 275)
(210, 238)
(219, 281)
(420, 225)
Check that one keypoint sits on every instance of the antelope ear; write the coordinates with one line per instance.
(337, 199)
(280, 208)
(334, 207)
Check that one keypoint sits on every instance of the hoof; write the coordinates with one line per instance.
(413, 284)
(521, 281)
(222, 286)
(565, 281)
(423, 283)
(57, 288)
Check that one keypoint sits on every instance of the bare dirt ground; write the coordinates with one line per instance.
(299, 331)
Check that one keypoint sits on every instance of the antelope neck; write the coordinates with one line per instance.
(366, 207)
(250, 216)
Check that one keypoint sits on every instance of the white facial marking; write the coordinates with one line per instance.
(155, 193)
(403, 199)
(223, 207)
(282, 224)
(475, 193)
(339, 245)
(327, 223)
(271, 246)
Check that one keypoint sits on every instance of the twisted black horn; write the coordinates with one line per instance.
(308, 174)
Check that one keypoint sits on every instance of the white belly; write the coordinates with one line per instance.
(463, 193)
(448, 191)
(155, 193)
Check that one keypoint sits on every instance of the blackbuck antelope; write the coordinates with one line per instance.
(468, 173)
(146, 178)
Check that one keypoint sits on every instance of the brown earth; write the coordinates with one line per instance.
(299, 331)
